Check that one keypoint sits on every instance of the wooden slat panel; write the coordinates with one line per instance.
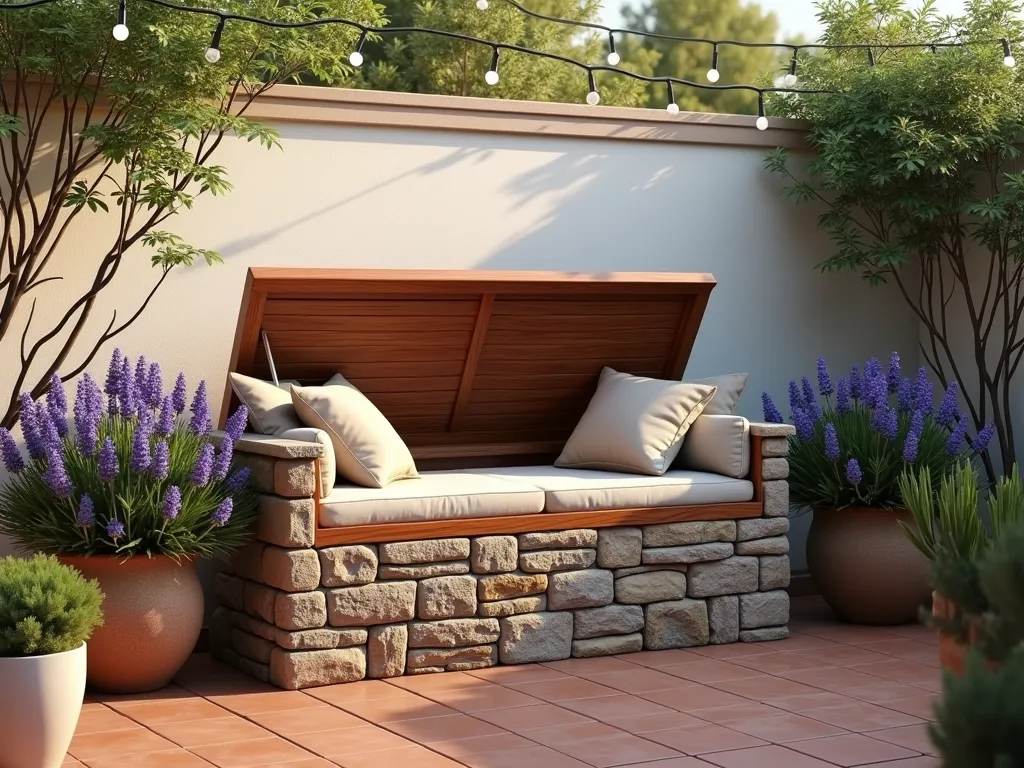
(541, 380)
(582, 364)
(555, 335)
(335, 341)
(543, 323)
(383, 353)
(523, 350)
(580, 306)
(371, 307)
(398, 325)
(480, 328)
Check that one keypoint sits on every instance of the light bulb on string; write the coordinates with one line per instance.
(762, 121)
(120, 30)
(356, 57)
(482, 4)
(213, 52)
(593, 98)
(713, 74)
(1008, 58)
(613, 55)
(790, 79)
(491, 78)
(672, 108)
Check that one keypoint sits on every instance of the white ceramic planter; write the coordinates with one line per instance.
(40, 700)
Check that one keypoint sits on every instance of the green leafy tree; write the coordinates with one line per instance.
(428, 64)
(724, 19)
(917, 170)
(127, 132)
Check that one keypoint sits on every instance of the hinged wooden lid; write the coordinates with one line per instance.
(470, 366)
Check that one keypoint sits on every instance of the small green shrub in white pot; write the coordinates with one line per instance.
(47, 612)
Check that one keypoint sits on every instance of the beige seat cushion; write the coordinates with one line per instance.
(730, 388)
(270, 406)
(634, 424)
(328, 462)
(367, 449)
(717, 444)
(432, 496)
(580, 490)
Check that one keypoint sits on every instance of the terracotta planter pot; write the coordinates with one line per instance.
(152, 612)
(865, 567)
(952, 653)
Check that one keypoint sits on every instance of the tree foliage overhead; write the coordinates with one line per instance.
(917, 167)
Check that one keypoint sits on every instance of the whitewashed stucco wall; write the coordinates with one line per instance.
(349, 196)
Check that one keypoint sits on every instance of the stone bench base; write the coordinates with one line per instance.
(306, 617)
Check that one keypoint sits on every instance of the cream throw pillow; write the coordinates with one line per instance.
(727, 398)
(634, 424)
(367, 449)
(270, 407)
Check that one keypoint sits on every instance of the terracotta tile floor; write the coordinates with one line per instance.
(830, 695)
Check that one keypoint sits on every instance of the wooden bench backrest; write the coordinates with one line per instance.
(473, 368)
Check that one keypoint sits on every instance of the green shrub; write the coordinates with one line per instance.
(45, 606)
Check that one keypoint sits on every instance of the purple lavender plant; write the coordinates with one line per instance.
(771, 413)
(236, 423)
(87, 419)
(957, 437)
(824, 380)
(796, 400)
(873, 369)
(924, 392)
(56, 475)
(222, 464)
(843, 396)
(893, 374)
(107, 463)
(9, 450)
(917, 423)
(983, 438)
(165, 422)
(115, 529)
(57, 405)
(160, 466)
(223, 512)
(179, 396)
(949, 407)
(154, 389)
(172, 503)
(127, 395)
(854, 474)
(911, 446)
(201, 423)
(203, 467)
(905, 396)
(876, 390)
(141, 455)
(854, 383)
(892, 424)
(141, 373)
(810, 399)
(804, 424)
(86, 511)
(34, 441)
(831, 442)
(238, 480)
(47, 429)
(112, 386)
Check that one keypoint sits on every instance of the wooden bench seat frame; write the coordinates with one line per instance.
(475, 318)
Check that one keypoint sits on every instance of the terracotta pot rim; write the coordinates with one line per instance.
(862, 510)
(121, 561)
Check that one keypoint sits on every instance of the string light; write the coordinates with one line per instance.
(713, 73)
(672, 108)
(762, 121)
(213, 52)
(120, 30)
(1008, 59)
(491, 78)
(613, 55)
(482, 4)
(356, 57)
(593, 98)
(790, 79)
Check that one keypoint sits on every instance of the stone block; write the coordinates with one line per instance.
(410, 670)
(293, 670)
(386, 648)
(253, 669)
(427, 551)
(723, 577)
(247, 561)
(724, 619)
(765, 429)
(300, 610)
(680, 567)
(776, 498)
(580, 589)
(442, 659)
(289, 523)
(619, 547)
(269, 445)
(761, 528)
(252, 647)
(260, 601)
(557, 560)
(446, 597)
(607, 620)
(763, 635)
(776, 545)
(774, 469)
(293, 570)
(533, 637)
(453, 633)
(501, 608)
(774, 446)
(504, 586)
(579, 538)
(230, 591)
(348, 566)
(295, 478)
(764, 609)
(682, 534)
(261, 470)
(494, 554)
(422, 571)
(651, 587)
(382, 603)
(256, 627)
(607, 646)
(694, 553)
(220, 630)
(319, 639)
(774, 572)
(676, 624)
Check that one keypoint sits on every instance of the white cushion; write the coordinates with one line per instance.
(269, 405)
(328, 470)
(718, 444)
(431, 496)
(579, 490)
(730, 388)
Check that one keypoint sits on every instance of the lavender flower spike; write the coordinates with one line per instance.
(796, 400)
(9, 450)
(165, 422)
(201, 422)
(160, 466)
(910, 447)
(172, 503)
(87, 421)
(56, 476)
(948, 407)
(108, 461)
(127, 395)
(141, 373)
(824, 380)
(57, 403)
(238, 480)
(154, 388)
(112, 386)
(905, 398)
(808, 392)
(893, 375)
(30, 428)
(86, 511)
(47, 429)
(771, 413)
(179, 397)
(203, 467)
(804, 424)
(957, 437)
(923, 391)
(854, 475)
(115, 529)
(855, 390)
(892, 424)
(831, 443)
(983, 438)
(236, 423)
(141, 456)
(223, 513)
(843, 396)
(222, 464)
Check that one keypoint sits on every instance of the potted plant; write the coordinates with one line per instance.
(131, 492)
(949, 530)
(845, 462)
(47, 612)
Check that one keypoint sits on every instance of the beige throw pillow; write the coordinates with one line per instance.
(727, 398)
(270, 407)
(634, 424)
(367, 449)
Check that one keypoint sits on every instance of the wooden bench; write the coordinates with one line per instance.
(483, 369)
